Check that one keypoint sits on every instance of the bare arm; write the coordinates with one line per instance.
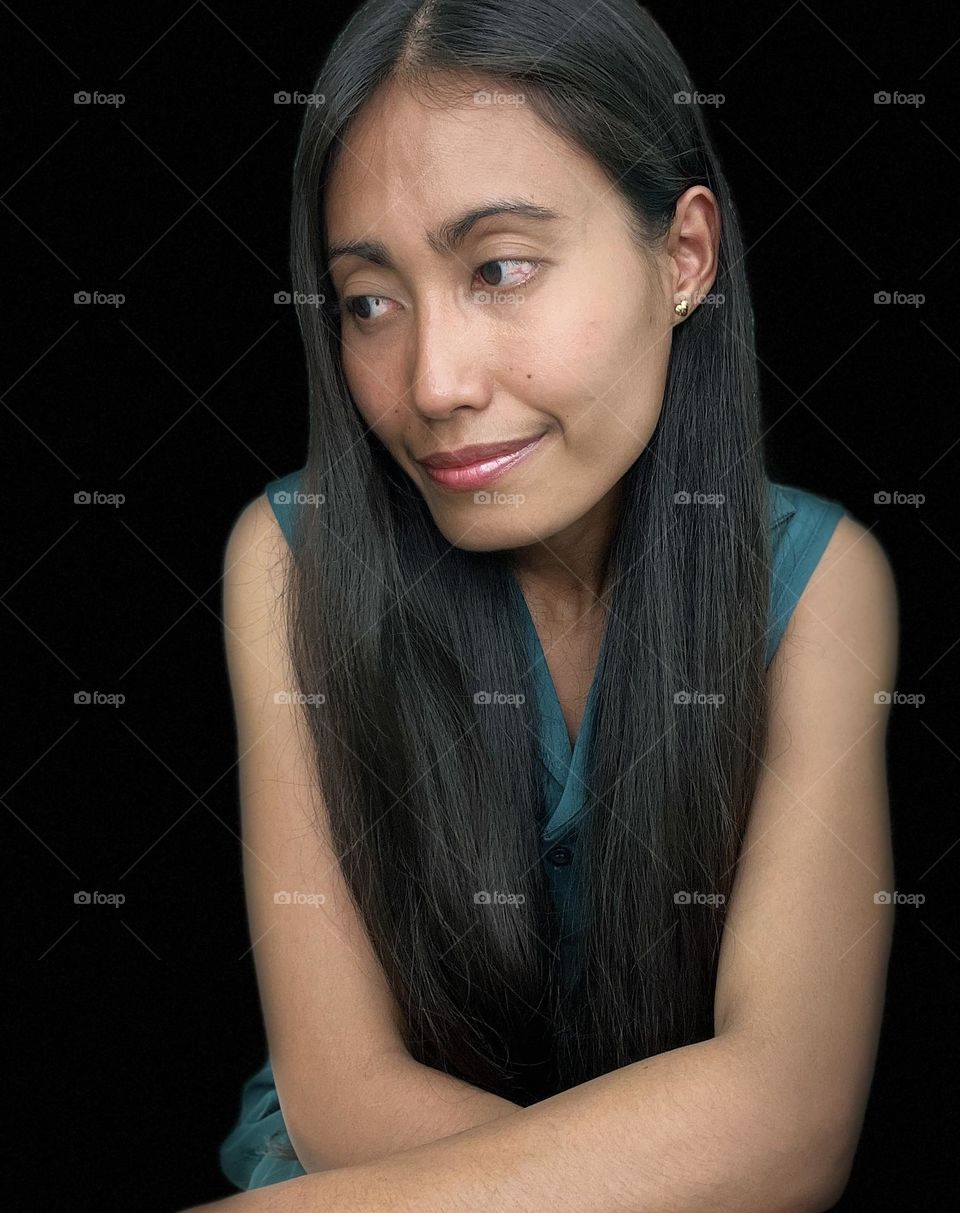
(765, 1117)
(399, 1106)
(348, 1089)
(683, 1132)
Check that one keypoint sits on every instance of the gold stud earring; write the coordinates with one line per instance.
(681, 308)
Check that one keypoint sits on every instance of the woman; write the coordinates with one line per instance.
(562, 765)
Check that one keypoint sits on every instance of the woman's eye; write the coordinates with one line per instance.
(498, 278)
(361, 307)
(367, 308)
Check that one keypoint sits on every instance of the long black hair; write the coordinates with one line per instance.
(433, 797)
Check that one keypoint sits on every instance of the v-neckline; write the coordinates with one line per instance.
(560, 758)
(561, 763)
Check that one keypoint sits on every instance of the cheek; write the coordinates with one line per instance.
(374, 391)
(595, 333)
(610, 368)
(586, 356)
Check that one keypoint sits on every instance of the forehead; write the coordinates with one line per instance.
(408, 161)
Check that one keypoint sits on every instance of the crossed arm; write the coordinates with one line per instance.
(766, 1115)
(697, 1129)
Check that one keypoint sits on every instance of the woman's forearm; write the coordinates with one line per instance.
(708, 1128)
(402, 1105)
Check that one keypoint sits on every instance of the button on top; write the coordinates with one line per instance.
(560, 855)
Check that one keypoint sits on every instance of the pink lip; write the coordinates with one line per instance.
(494, 459)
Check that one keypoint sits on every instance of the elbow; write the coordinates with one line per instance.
(820, 1165)
(829, 1180)
(819, 1194)
(801, 1158)
(316, 1147)
(832, 1142)
(814, 1190)
(314, 1155)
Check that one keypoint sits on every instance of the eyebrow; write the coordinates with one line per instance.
(449, 235)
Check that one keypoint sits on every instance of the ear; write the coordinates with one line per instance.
(692, 246)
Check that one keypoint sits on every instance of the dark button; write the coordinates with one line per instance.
(561, 856)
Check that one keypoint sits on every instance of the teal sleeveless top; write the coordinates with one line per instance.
(801, 524)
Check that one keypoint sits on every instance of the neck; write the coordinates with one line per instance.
(566, 574)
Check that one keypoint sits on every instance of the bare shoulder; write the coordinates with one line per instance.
(846, 621)
(807, 939)
(255, 564)
(255, 540)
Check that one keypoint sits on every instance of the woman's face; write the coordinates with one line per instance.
(515, 328)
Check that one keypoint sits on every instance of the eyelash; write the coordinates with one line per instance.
(336, 308)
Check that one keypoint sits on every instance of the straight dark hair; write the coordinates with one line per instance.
(433, 797)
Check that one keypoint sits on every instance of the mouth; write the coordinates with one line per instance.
(470, 467)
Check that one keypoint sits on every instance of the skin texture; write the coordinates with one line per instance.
(765, 1116)
(578, 350)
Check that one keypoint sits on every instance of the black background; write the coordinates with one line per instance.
(132, 1028)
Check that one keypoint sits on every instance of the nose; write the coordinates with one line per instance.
(450, 359)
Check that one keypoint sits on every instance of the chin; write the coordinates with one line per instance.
(498, 532)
